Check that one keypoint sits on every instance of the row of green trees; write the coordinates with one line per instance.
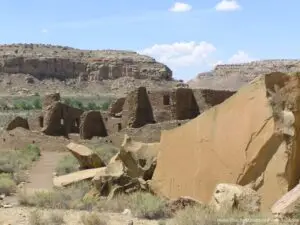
(37, 104)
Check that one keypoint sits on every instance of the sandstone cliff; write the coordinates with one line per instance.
(48, 61)
(233, 76)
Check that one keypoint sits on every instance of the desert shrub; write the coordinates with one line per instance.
(92, 219)
(67, 164)
(64, 198)
(142, 204)
(38, 218)
(7, 184)
(105, 152)
(37, 103)
(92, 106)
(56, 218)
(105, 105)
(16, 160)
(73, 103)
(23, 105)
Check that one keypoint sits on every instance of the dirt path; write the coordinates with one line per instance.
(41, 174)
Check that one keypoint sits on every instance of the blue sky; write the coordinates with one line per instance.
(189, 36)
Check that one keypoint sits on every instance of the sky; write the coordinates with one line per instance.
(189, 36)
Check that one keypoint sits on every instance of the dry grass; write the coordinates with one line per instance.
(67, 164)
(143, 205)
(92, 219)
(204, 216)
(37, 218)
(19, 160)
(7, 184)
(65, 198)
(105, 151)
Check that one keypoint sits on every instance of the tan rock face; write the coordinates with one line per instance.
(250, 139)
(18, 122)
(92, 125)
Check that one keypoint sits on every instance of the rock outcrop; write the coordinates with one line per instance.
(47, 62)
(229, 197)
(249, 139)
(17, 122)
(234, 76)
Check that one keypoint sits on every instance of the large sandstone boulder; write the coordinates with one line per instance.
(91, 125)
(137, 109)
(129, 170)
(249, 139)
(85, 156)
(17, 122)
(228, 197)
(138, 158)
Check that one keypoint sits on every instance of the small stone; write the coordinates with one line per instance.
(2, 196)
(126, 212)
(130, 222)
(6, 206)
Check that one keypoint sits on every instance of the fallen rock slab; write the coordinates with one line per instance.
(85, 156)
(75, 177)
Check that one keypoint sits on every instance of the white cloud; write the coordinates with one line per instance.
(180, 7)
(181, 54)
(44, 30)
(240, 57)
(228, 5)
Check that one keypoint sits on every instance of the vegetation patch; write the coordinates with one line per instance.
(38, 218)
(142, 204)
(64, 198)
(92, 219)
(15, 162)
(68, 164)
(7, 184)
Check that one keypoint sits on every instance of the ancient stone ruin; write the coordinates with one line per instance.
(17, 122)
(137, 109)
(91, 124)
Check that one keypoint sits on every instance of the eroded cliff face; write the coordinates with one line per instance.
(47, 61)
(252, 139)
(234, 76)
